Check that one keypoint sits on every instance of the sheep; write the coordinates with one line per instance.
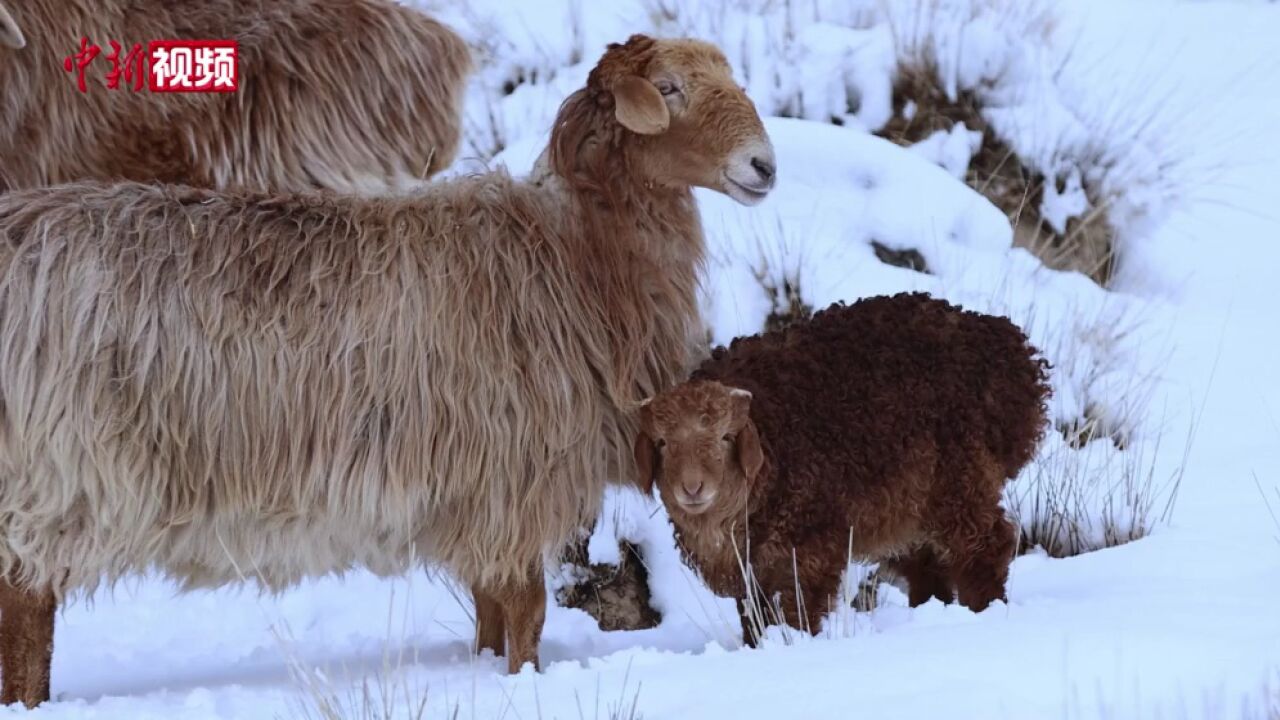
(222, 385)
(885, 429)
(350, 95)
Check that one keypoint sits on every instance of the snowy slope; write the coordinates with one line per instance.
(1184, 623)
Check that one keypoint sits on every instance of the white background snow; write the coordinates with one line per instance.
(1180, 101)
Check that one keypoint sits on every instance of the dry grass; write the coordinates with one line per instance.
(788, 306)
(1106, 476)
(858, 599)
(779, 254)
(1095, 351)
(626, 707)
(922, 106)
(375, 698)
(1098, 484)
(1266, 501)
(391, 694)
(1080, 500)
(386, 694)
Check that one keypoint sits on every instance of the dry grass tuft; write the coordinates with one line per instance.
(627, 707)
(1093, 425)
(777, 272)
(1102, 479)
(858, 599)
(789, 306)
(1082, 497)
(922, 107)
(1271, 509)
(386, 694)
(376, 698)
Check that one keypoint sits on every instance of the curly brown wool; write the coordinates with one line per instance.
(887, 428)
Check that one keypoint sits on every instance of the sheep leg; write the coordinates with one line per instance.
(491, 630)
(26, 644)
(523, 603)
(926, 575)
(981, 564)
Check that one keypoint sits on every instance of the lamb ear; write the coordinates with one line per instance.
(740, 405)
(10, 33)
(750, 454)
(639, 106)
(646, 462)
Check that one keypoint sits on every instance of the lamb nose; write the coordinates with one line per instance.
(764, 167)
(692, 490)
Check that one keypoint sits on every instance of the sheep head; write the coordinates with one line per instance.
(670, 114)
(10, 34)
(698, 444)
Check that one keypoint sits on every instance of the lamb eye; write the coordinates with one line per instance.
(666, 87)
(727, 438)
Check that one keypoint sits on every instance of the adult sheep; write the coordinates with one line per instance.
(885, 429)
(351, 95)
(211, 383)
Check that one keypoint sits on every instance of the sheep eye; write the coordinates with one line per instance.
(666, 87)
(728, 438)
(659, 443)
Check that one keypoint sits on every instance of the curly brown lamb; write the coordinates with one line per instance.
(885, 429)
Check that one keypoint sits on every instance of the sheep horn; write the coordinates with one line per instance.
(10, 33)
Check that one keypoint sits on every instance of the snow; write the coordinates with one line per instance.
(952, 149)
(1170, 106)
(1063, 203)
(838, 191)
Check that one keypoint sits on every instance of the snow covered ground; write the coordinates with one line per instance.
(1182, 99)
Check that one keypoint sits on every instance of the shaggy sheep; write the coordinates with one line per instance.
(886, 428)
(350, 95)
(215, 384)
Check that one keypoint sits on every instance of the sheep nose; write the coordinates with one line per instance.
(765, 168)
(692, 489)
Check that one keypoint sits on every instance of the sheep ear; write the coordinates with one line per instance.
(10, 33)
(750, 454)
(639, 106)
(646, 462)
